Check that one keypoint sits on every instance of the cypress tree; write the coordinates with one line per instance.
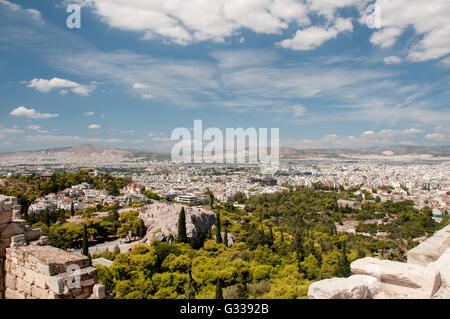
(219, 292)
(218, 230)
(72, 210)
(225, 237)
(85, 249)
(182, 237)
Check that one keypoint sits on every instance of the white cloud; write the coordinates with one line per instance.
(392, 60)
(189, 21)
(147, 96)
(33, 127)
(312, 37)
(22, 111)
(10, 131)
(385, 37)
(89, 113)
(299, 110)
(140, 86)
(64, 139)
(429, 20)
(44, 85)
(435, 136)
(94, 126)
(35, 14)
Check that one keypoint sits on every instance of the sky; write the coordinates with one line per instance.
(138, 69)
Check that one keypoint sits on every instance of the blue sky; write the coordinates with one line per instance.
(138, 69)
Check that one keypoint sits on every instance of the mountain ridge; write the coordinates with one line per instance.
(285, 152)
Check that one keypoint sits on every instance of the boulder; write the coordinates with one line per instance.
(401, 279)
(431, 249)
(161, 220)
(442, 265)
(353, 287)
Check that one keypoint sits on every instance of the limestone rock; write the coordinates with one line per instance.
(407, 280)
(99, 291)
(431, 249)
(161, 220)
(443, 266)
(353, 287)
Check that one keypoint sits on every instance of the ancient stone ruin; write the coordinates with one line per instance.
(426, 275)
(30, 269)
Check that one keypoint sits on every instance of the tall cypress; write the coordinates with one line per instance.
(182, 237)
(72, 210)
(219, 291)
(225, 237)
(218, 230)
(85, 249)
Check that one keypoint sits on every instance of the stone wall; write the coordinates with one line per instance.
(426, 275)
(30, 269)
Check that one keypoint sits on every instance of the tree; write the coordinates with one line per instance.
(219, 291)
(72, 210)
(218, 230)
(85, 249)
(225, 237)
(182, 237)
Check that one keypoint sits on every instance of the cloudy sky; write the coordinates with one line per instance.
(138, 69)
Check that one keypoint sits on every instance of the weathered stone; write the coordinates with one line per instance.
(99, 291)
(14, 228)
(442, 265)
(39, 293)
(162, 218)
(411, 280)
(33, 234)
(102, 261)
(10, 281)
(353, 287)
(14, 294)
(431, 249)
(6, 215)
(23, 286)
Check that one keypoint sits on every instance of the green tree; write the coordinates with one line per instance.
(72, 210)
(182, 237)
(219, 290)
(225, 237)
(218, 230)
(85, 249)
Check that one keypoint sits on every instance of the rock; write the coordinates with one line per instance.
(353, 287)
(159, 236)
(161, 220)
(102, 261)
(442, 265)
(99, 291)
(406, 280)
(431, 249)
(33, 234)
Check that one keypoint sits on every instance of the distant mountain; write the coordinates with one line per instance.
(285, 152)
(397, 150)
(89, 150)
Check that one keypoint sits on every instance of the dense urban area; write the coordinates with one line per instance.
(156, 229)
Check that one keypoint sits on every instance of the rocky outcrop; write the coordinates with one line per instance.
(442, 265)
(353, 287)
(30, 269)
(161, 220)
(426, 275)
(431, 249)
(398, 278)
